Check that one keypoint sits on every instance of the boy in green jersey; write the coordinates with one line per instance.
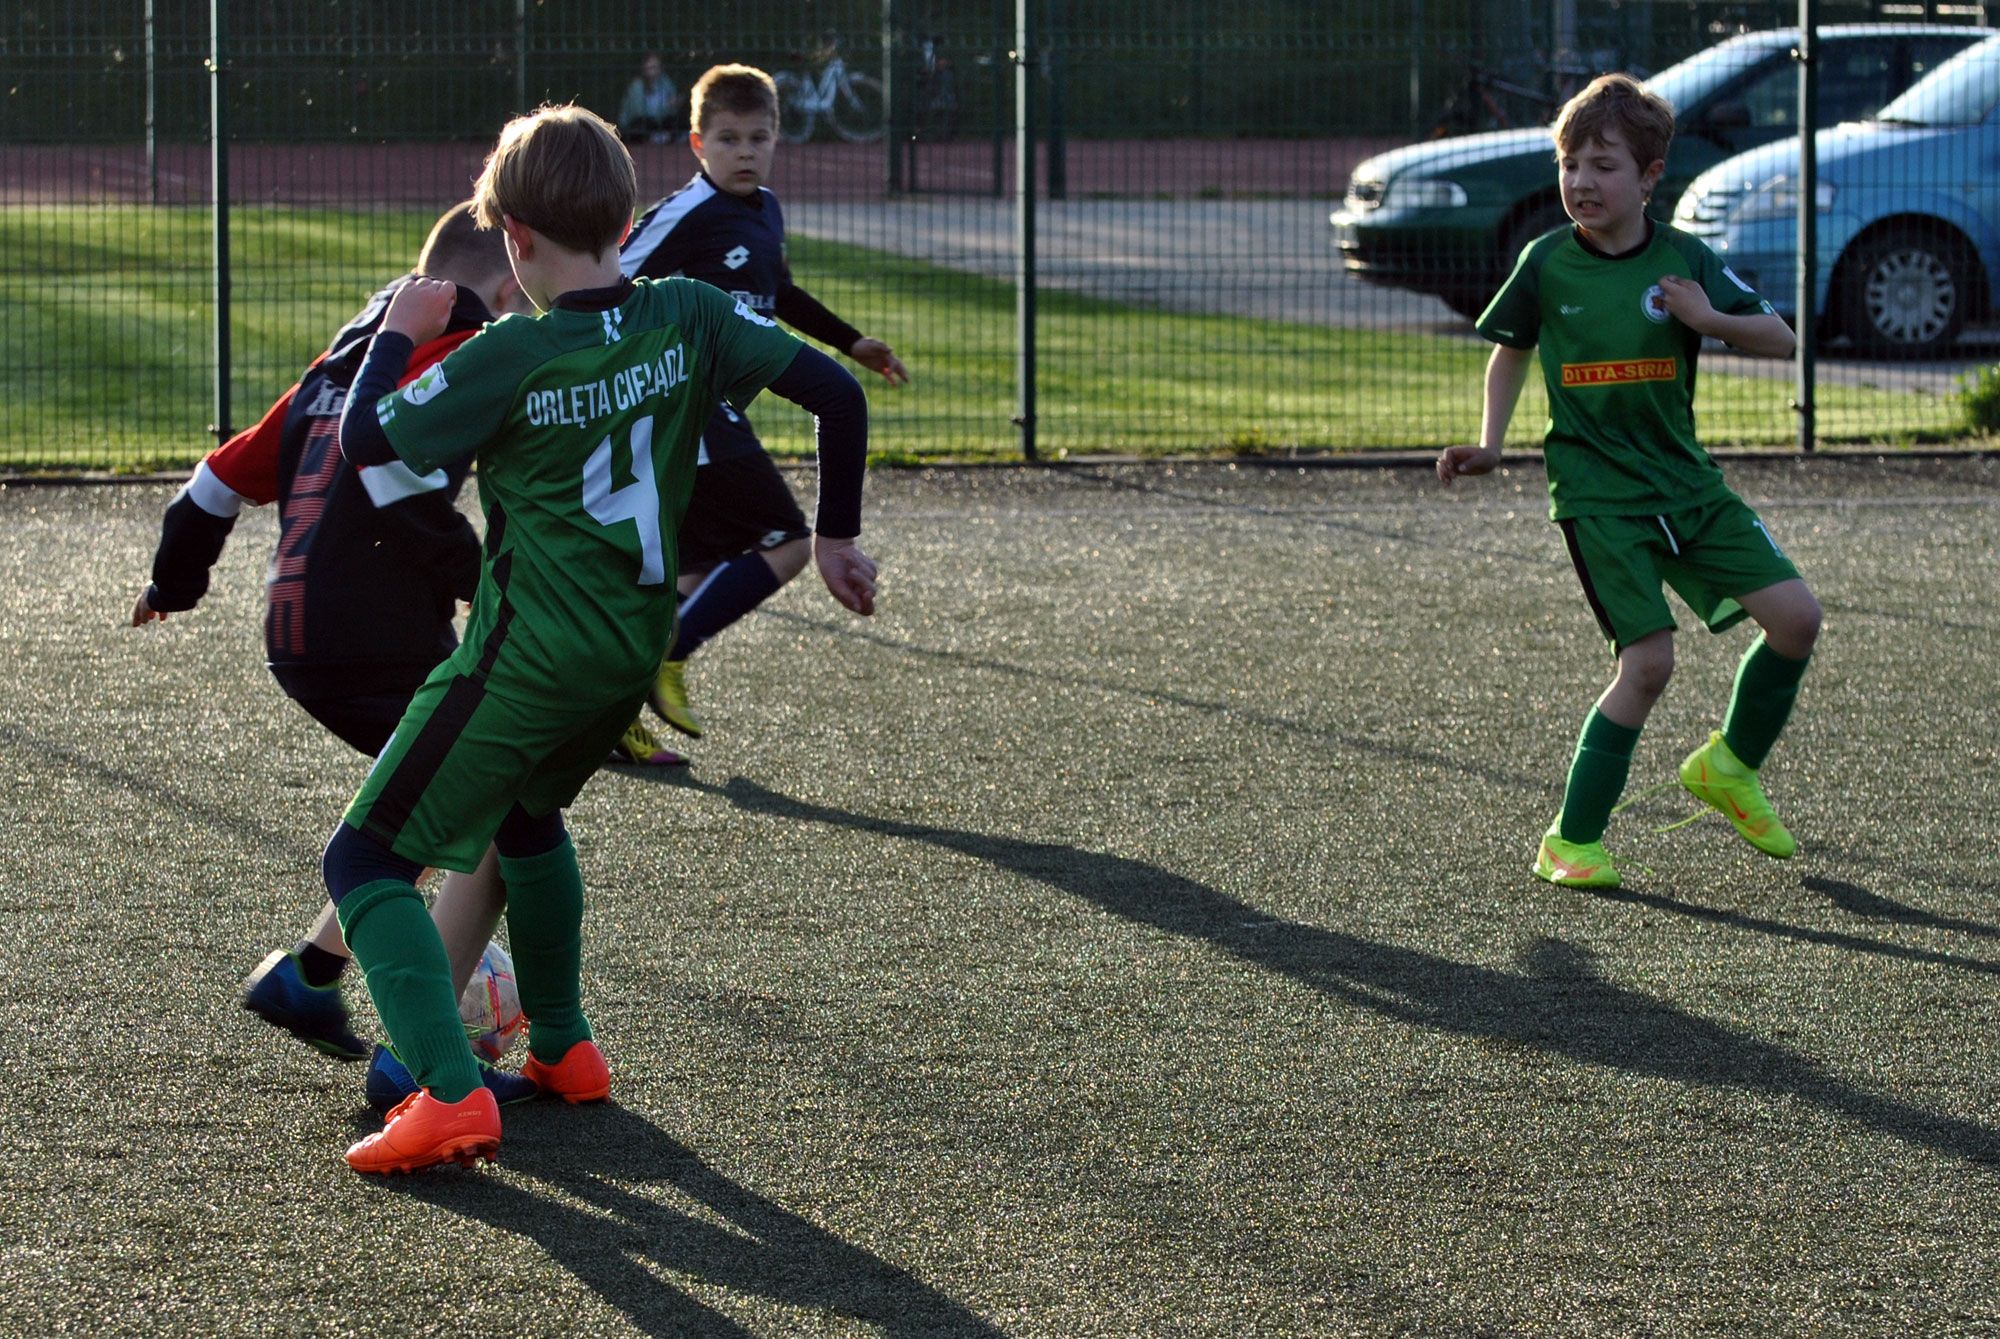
(1619, 305)
(584, 422)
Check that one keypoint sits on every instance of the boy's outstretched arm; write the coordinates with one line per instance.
(830, 394)
(1506, 373)
(1752, 332)
(807, 314)
(198, 521)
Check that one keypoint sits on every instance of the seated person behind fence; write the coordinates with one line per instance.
(370, 565)
(651, 104)
(744, 536)
(585, 421)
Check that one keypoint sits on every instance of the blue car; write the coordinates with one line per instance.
(1909, 214)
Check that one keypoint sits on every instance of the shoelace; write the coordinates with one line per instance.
(1650, 791)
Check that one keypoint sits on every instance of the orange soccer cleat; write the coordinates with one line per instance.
(422, 1131)
(580, 1076)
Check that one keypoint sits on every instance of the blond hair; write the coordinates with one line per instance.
(743, 89)
(1617, 102)
(563, 171)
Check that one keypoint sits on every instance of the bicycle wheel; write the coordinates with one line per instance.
(795, 110)
(856, 111)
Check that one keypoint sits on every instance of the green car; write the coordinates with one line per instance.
(1449, 216)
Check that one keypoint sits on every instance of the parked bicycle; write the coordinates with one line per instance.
(1485, 101)
(850, 102)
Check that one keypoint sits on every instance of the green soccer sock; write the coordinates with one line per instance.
(545, 933)
(1767, 684)
(1596, 776)
(409, 978)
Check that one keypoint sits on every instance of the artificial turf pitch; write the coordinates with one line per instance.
(1128, 931)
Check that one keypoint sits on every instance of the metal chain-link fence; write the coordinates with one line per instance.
(1254, 230)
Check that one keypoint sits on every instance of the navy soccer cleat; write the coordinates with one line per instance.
(278, 994)
(390, 1081)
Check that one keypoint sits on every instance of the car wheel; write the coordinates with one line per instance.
(1905, 293)
(1525, 229)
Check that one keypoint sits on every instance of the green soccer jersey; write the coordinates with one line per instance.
(585, 422)
(1619, 368)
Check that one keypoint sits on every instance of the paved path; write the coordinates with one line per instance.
(1271, 259)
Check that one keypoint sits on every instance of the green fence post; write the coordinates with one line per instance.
(218, 188)
(1003, 58)
(152, 114)
(1057, 135)
(1807, 320)
(895, 110)
(1024, 198)
(520, 56)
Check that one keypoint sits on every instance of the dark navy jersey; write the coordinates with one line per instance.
(736, 243)
(705, 233)
(369, 563)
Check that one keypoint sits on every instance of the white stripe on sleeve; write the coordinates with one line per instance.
(391, 483)
(212, 495)
(640, 247)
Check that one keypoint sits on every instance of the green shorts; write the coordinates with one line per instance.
(1710, 554)
(462, 757)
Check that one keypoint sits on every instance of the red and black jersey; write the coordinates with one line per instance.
(369, 563)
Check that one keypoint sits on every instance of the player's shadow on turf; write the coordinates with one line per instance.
(1844, 895)
(1557, 1004)
(1858, 901)
(632, 1204)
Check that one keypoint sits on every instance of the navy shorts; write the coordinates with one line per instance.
(363, 722)
(740, 504)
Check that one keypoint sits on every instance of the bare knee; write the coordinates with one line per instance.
(1645, 667)
(788, 559)
(1795, 632)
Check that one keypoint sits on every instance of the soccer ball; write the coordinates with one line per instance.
(491, 1005)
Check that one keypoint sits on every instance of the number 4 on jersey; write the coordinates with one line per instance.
(638, 501)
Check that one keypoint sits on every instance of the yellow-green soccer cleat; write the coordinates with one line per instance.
(1574, 864)
(670, 698)
(1714, 775)
(640, 747)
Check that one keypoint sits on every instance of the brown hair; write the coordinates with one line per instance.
(1617, 102)
(743, 89)
(564, 172)
(458, 248)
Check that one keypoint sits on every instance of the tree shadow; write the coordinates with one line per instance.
(620, 1243)
(1557, 1003)
(234, 823)
(1269, 722)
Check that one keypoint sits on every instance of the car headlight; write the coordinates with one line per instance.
(1779, 198)
(1423, 193)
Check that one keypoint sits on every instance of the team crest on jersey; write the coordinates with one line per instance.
(426, 387)
(743, 310)
(1653, 302)
(736, 257)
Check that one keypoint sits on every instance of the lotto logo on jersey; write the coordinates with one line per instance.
(426, 387)
(743, 310)
(1620, 372)
(736, 257)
